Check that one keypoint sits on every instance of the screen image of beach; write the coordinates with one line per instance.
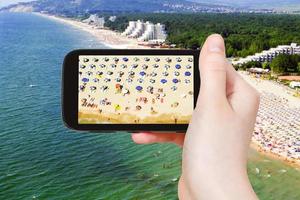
(135, 89)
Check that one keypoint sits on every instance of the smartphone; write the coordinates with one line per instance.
(109, 90)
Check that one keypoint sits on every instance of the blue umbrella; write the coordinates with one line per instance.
(139, 88)
(142, 73)
(178, 66)
(187, 73)
(85, 80)
(163, 81)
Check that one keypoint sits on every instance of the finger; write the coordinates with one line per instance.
(213, 69)
(150, 138)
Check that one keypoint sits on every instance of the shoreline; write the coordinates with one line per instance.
(109, 38)
(269, 154)
(276, 126)
(113, 39)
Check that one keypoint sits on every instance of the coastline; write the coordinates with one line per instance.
(113, 39)
(109, 38)
(269, 137)
(293, 163)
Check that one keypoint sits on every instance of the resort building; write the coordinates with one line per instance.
(95, 20)
(146, 31)
(112, 18)
(130, 28)
(269, 55)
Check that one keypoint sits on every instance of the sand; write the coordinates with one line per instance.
(107, 37)
(277, 130)
(274, 88)
(161, 105)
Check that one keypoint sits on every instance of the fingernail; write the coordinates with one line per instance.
(215, 45)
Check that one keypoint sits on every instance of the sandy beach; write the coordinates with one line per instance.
(130, 89)
(277, 129)
(107, 37)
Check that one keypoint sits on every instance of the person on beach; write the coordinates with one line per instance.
(215, 147)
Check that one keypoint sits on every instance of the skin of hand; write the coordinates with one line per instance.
(215, 147)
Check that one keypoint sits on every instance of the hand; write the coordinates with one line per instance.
(215, 147)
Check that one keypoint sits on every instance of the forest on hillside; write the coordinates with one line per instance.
(245, 34)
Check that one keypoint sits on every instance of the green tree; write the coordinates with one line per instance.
(284, 63)
(266, 65)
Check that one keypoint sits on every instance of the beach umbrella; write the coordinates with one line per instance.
(85, 80)
(167, 67)
(153, 74)
(156, 59)
(188, 66)
(187, 73)
(142, 73)
(145, 67)
(168, 60)
(178, 66)
(175, 80)
(140, 80)
(139, 88)
(187, 81)
(163, 81)
(134, 66)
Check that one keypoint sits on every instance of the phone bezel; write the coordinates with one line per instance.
(70, 90)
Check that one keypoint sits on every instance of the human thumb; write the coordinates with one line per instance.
(213, 64)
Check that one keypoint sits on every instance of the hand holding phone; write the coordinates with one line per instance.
(131, 90)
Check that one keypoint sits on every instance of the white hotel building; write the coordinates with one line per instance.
(146, 31)
(269, 55)
(95, 20)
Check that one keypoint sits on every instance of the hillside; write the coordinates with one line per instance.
(117, 6)
(266, 4)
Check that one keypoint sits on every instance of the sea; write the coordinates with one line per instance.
(41, 159)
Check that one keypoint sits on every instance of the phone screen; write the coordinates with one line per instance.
(135, 89)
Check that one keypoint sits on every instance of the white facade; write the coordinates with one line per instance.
(269, 55)
(152, 33)
(295, 84)
(95, 20)
(130, 28)
(139, 30)
(148, 33)
(112, 18)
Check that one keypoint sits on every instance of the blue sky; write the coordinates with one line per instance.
(7, 2)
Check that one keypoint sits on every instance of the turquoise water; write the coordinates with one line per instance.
(41, 159)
